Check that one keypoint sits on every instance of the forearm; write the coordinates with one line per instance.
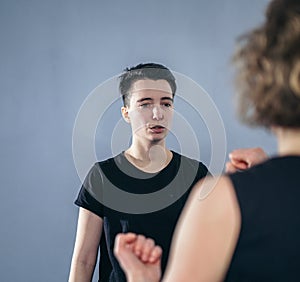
(81, 272)
(85, 253)
(140, 278)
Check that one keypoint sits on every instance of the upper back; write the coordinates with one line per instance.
(269, 241)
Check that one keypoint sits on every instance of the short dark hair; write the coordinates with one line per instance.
(268, 74)
(152, 71)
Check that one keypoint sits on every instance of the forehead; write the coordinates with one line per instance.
(151, 87)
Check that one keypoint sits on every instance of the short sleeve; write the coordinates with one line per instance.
(92, 184)
(202, 171)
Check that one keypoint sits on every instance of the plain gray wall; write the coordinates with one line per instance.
(52, 55)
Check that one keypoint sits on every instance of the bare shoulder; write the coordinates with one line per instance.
(206, 234)
(215, 190)
(214, 199)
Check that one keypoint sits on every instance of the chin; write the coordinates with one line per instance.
(158, 139)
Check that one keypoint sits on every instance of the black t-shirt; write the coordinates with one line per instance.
(130, 200)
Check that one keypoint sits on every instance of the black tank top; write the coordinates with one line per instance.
(268, 247)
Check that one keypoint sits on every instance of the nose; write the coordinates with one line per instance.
(157, 113)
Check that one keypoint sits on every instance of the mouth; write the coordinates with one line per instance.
(156, 129)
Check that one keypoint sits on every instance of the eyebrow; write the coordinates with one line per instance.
(150, 99)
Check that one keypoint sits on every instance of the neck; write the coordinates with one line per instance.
(288, 141)
(151, 157)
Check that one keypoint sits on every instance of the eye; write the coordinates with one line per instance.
(145, 105)
(167, 105)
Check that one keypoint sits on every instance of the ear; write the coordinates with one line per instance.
(124, 111)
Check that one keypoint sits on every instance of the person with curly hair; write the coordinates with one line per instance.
(243, 226)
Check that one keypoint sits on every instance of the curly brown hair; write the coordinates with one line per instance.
(268, 68)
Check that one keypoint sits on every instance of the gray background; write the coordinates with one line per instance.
(52, 55)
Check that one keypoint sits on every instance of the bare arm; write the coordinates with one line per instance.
(204, 241)
(89, 230)
(206, 234)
